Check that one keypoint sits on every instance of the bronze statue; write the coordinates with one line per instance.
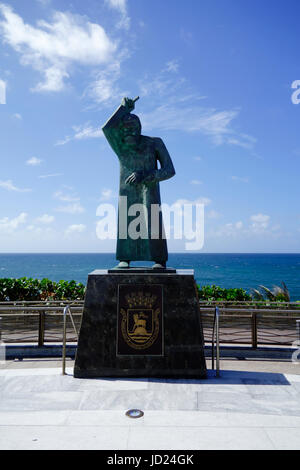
(139, 182)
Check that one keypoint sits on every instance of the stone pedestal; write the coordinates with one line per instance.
(140, 323)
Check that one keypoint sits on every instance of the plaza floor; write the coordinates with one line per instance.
(253, 405)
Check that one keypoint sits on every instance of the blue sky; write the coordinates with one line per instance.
(214, 79)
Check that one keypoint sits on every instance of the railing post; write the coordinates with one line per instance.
(254, 330)
(41, 328)
(2, 346)
(64, 341)
(217, 342)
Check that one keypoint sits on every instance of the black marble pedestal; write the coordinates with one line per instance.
(141, 324)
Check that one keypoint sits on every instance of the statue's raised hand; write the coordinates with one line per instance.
(128, 104)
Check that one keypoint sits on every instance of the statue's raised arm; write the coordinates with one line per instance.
(112, 129)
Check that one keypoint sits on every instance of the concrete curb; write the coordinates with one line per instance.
(231, 352)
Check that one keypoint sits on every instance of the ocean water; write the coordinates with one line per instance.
(226, 270)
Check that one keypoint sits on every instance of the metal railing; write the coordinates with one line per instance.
(67, 310)
(216, 339)
(38, 322)
(251, 326)
(42, 322)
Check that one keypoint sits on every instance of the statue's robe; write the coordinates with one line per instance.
(151, 246)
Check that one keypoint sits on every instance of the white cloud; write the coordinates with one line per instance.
(46, 219)
(186, 36)
(34, 161)
(85, 131)
(9, 186)
(44, 2)
(161, 85)
(172, 66)
(121, 7)
(17, 116)
(52, 47)
(191, 119)
(51, 175)
(201, 200)
(79, 228)
(10, 225)
(107, 194)
(243, 140)
(196, 182)
(65, 197)
(75, 208)
(36, 231)
(213, 214)
(175, 106)
(260, 222)
(231, 229)
(241, 179)
(104, 86)
(101, 89)
(194, 118)
(175, 94)
(2, 92)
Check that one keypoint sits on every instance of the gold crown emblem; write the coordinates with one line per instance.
(140, 299)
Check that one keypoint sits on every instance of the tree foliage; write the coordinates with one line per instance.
(28, 289)
(219, 293)
(277, 294)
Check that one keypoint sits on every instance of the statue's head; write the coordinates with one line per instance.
(131, 125)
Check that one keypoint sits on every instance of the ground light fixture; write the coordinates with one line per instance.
(134, 414)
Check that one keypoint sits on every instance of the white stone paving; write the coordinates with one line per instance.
(41, 409)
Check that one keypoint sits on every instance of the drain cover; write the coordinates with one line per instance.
(134, 414)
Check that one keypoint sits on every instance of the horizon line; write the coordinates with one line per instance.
(170, 253)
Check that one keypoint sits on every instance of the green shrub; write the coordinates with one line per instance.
(262, 294)
(28, 289)
(219, 293)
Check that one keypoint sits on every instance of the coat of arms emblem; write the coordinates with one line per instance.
(140, 320)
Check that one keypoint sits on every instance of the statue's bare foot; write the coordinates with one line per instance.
(159, 265)
(123, 265)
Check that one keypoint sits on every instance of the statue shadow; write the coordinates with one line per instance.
(234, 377)
(227, 377)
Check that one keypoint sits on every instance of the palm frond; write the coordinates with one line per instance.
(269, 294)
